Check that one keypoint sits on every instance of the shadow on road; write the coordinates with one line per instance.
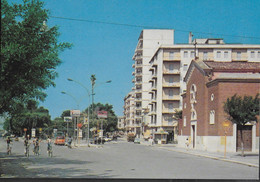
(18, 166)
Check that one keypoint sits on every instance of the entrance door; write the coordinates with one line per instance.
(193, 135)
(247, 137)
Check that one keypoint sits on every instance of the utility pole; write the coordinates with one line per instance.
(93, 81)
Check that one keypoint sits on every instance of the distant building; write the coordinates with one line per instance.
(120, 122)
(129, 112)
(209, 84)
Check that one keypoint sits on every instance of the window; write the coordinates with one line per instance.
(258, 54)
(170, 107)
(192, 54)
(185, 54)
(252, 54)
(218, 54)
(194, 115)
(205, 55)
(184, 121)
(212, 97)
(171, 56)
(238, 55)
(171, 67)
(171, 80)
(225, 54)
(212, 117)
(170, 93)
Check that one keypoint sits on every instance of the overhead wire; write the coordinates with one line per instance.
(149, 27)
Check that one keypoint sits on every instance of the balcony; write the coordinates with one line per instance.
(138, 57)
(170, 85)
(170, 98)
(151, 68)
(139, 90)
(168, 72)
(133, 65)
(153, 100)
(138, 73)
(133, 73)
(167, 111)
(138, 82)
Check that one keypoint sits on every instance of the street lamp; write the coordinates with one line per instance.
(93, 82)
(77, 108)
(69, 79)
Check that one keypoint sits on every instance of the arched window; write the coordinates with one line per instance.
(193, 114)
(212, 117)
(193, 91)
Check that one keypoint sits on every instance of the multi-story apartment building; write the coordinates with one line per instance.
(129, 110)
(120, 122)
(148, 43)
(168, 67)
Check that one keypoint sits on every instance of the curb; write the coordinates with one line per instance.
(216, 158)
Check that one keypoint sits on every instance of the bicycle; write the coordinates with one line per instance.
(27, 150)
(36, 150)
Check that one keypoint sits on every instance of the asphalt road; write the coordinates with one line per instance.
(117, 160)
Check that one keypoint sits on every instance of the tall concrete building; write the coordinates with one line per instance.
(129, 109)
(168, 67)
(149, 41)
(159, 70)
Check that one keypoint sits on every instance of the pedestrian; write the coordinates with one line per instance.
(8, 142)
(187, 143)
(26, 145)
(49, 146)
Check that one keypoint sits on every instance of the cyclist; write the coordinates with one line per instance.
(9, 142)
(26, 145)
(36, 144)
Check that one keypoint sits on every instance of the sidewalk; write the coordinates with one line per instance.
(250, 159)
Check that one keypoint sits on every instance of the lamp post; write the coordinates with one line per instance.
(77, 108)
(69, 79)
(93, 82)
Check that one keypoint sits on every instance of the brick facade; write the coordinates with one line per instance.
(211, 93)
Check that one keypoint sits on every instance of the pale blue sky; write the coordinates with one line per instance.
(106, 50)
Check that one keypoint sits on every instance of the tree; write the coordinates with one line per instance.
(30, 116)
(241, 111)
(177, 115)
(109, 124)
(29, 54)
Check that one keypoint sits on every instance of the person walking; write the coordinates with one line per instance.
(27, 145)
(9, 147)
(187, 143)
(49, 147)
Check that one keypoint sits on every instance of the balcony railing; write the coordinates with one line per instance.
(174, 84)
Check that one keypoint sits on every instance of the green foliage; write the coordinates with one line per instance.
(30, 116)
(109, 124)
(29, 54)
(177, 115)
(65, 114)
(242, 110)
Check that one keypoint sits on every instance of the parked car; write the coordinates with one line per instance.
(60, 140)
(137, 141)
